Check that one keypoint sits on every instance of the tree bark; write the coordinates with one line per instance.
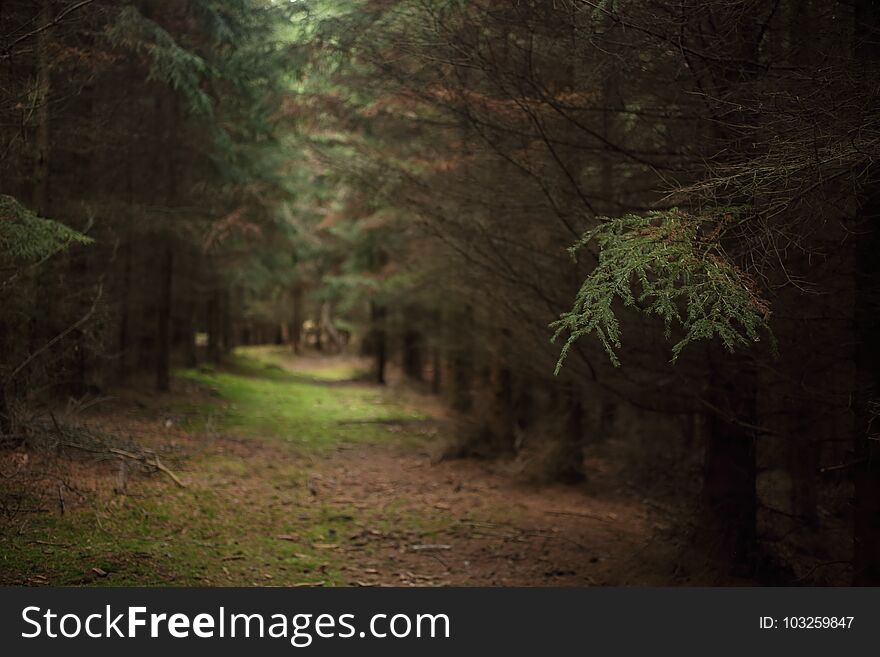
(571, 454)
(502, 411)
(227, 335)
(296, 321)
(163, 315)
(727, 523)
(462, 365)
(866, 443)
(412, 345)
(166, 267)
(41, 137)
(501, 420)
(213, 320)
(5, 413)
(379, 340)
(327, 325)
(866, 316)
(190, 357)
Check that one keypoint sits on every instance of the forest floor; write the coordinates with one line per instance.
(297, 473)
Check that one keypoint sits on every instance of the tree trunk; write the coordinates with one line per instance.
(412, 345)
(727, 523)
(297, 319)
(190, 358)
(213, 319)
(436, 370)
(227, 335)
(41, 138)
(327, 325)
(5, 414)
(166, 157)
(462, 365)
(379, 340)
(866, 443)
(570, 460)
(803, 465)
(501, 420)
(163, 315)
(123, 337)
(438, 337)
(501, 417)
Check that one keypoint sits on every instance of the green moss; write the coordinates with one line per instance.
(259, 398)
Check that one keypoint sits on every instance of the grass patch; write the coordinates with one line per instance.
(194, 538)
(257, 397)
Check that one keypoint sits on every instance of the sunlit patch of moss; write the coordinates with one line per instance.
(257, 400)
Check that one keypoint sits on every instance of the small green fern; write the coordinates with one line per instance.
(669, 264)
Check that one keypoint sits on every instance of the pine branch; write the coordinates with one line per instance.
(669, 264)
(8, 51)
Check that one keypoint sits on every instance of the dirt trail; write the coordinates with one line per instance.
(369, 506)
(476, 523)
(492, 530)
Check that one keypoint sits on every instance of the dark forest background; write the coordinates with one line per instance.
(680, 198)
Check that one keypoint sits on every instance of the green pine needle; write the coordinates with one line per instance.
(668, 264)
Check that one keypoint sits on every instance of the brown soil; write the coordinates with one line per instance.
(498, 532)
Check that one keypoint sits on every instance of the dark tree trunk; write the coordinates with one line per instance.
(866, 537)
(379, 340)
(866, 443)
(213, 320)
(190, 358)
(41, 137)
(803, 466)
(437, 344)
(296, 320)
(168, 112)
(412, 346)
(462, 361)
(570, 464)
(5, 414)
(436, 371)
(163, 316)
(227, 339)
(501, 420)
(123, 337)
(319, 341)
(728, 513)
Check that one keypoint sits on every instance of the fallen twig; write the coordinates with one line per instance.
(438, 546)
(143, 458)
(173, 476)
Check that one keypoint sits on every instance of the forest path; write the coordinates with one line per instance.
(297, 475)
